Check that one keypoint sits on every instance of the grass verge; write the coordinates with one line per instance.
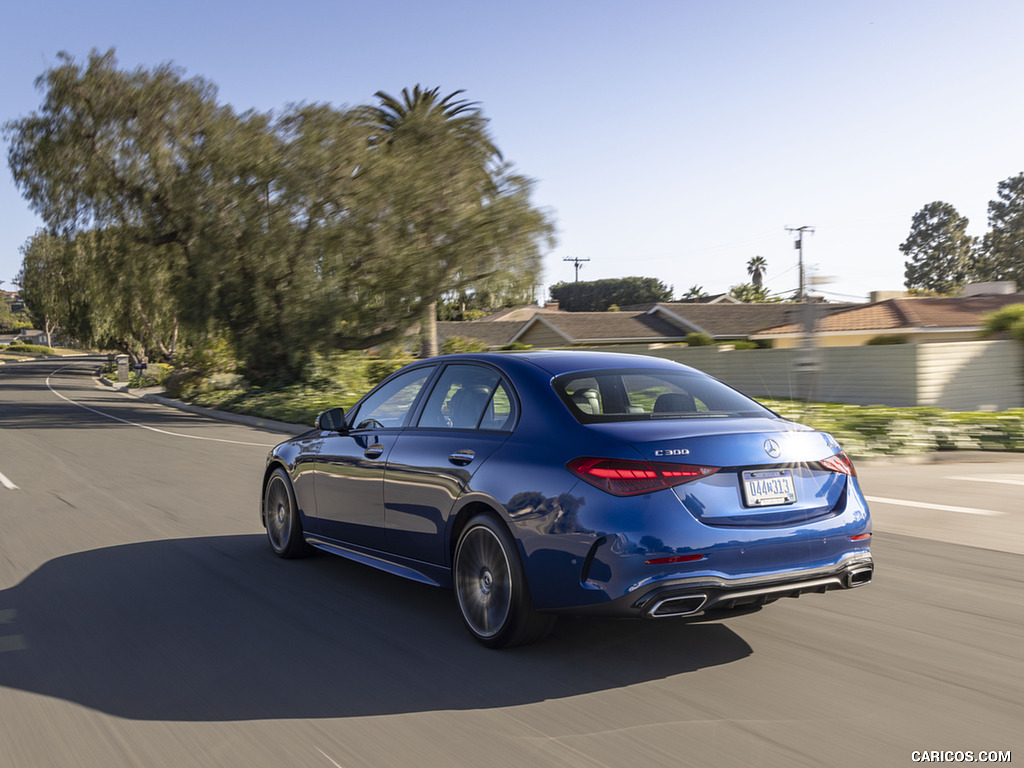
(875, 430)
(861, 430)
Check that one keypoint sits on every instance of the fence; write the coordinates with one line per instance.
(959, 376)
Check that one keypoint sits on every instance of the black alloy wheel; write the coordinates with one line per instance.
(491, 589)
(281, 515)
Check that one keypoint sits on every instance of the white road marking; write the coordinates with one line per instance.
(7, 483)
(940, 507)
(144, 426)
(333, 762)
(1002, 479)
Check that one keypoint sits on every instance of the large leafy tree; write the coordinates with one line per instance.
(315, 230)
(52, 288)
(1002, 255)
(95, 287)
(599, 295)
(122, 167)
(446, 211)
(506, 289)
(938, 250)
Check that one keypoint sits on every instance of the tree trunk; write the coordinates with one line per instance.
(428, 332)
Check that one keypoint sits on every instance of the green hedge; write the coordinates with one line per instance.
(28, 349)
(883, 431)
(861, 430)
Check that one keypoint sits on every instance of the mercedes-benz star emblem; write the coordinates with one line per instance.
(772, 449)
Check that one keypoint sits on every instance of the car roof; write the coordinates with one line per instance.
(557, 362)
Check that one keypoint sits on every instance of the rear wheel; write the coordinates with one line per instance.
(284, 525)
(491, 590)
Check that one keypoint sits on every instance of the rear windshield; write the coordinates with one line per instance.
(641, 395)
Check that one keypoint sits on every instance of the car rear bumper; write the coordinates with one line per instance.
(697, 594)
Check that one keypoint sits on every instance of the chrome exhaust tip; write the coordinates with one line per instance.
(677, 606)
(859, 577)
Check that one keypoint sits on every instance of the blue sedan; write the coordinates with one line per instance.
(540, 483)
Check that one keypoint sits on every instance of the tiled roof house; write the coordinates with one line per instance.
(564, 329)
(918, 319)
(663, 323)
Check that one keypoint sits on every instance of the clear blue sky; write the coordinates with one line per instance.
(672, 139)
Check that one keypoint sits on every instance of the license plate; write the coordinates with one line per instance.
(768, 487)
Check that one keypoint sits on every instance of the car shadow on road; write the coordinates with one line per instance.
(219, 629)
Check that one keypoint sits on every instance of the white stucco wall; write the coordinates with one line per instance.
(970, 375)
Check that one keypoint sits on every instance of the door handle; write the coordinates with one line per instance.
(462, 457)
(374, 451)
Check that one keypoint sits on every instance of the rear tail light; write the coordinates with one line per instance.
(629, 478)
(840, 463)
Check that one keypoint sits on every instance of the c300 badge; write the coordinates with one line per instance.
(672, 452)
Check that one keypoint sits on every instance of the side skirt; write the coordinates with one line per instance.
(414, 570)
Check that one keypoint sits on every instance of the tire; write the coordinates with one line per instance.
(281, 515)
(491, 590)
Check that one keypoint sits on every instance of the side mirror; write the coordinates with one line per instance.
(332, 420)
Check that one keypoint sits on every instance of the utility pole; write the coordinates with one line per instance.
(808, 360)
(799, 245)
(576, 261)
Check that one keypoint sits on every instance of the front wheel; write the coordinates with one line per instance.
(491, 590)
(281, 515)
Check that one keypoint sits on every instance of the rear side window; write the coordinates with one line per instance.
(638, 395)
(469, 397)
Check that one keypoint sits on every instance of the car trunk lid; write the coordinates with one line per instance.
(769, 471)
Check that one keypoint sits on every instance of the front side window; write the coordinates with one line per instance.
(637, 395)
(389, 405)
(469, 397)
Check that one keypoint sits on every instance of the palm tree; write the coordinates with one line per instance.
(756, 268)
(453, 132)
(696, 293)
(422, 115)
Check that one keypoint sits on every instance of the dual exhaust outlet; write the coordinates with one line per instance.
(689, 604)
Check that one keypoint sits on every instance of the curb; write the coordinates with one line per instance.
(152, 395)
(236, 418)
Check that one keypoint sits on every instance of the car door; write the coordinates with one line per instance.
(350, 465)
(470, 412)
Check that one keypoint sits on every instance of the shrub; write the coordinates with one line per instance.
(876, 430)
(456, 344)
(888, 339)
(153, 375)
(1009, 319)
(196, 364)
(29, 349)
(380, 369)
(215, 356)
(699, 340)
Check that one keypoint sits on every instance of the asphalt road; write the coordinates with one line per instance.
(144, 622)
